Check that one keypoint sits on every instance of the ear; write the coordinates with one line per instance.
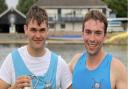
(25, 29)
(47, 35)
(82, 34)
(105, 37)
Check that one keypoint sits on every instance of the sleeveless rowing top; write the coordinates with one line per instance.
(99, 78)
(40, 82)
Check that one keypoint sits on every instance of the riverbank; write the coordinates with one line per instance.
(117, 38)
(64, 38)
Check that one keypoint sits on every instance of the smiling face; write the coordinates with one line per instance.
(36, 34)
(94, 36)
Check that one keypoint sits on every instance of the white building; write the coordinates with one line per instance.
(67, 15)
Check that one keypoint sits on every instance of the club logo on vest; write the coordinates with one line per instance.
(48, 85)
(96, 85)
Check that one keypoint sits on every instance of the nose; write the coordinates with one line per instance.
(92, 37)
(38, 34)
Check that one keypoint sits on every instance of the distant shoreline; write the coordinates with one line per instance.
(59, 38)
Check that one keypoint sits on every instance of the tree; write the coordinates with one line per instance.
(119, 7)
(24, 5)
(3, 6)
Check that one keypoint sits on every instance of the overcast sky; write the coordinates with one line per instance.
(11, 3)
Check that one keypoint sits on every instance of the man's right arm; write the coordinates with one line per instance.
(21, 82)
(3, 84)
(5, 73)
(73, 61)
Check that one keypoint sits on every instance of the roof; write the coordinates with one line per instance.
(5, 16)
(70, 3)
(12, 10)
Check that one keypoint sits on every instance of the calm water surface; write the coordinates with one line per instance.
(67, 51)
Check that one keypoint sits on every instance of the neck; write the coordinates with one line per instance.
(36, 52)
(94, 60)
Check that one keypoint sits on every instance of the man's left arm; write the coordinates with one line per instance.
(70, 87)
(66, 75)
(121, 75)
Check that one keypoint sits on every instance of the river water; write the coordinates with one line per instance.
(68, 50)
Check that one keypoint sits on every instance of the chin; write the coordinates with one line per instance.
(92, 52)
(38, 47)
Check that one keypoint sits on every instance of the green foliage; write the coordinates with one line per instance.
(3, 6)
(119, 7)
(24, 5)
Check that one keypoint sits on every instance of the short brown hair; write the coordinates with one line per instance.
(96, 15)
(38, 14)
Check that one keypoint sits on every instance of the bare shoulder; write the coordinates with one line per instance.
(74, 61)
(117, 65)
(119, 73)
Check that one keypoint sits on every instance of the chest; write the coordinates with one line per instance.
(99, 78)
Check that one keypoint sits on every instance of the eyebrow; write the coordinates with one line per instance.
(33, 28)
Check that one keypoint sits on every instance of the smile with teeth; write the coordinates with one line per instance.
(37, 41)
(92, 45)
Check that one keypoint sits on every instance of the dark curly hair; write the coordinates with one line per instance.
(38, 14)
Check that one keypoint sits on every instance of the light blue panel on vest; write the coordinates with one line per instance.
(99, 78)
(48, 77)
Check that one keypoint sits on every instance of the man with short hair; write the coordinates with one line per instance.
(34, 65)
(95, 68)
